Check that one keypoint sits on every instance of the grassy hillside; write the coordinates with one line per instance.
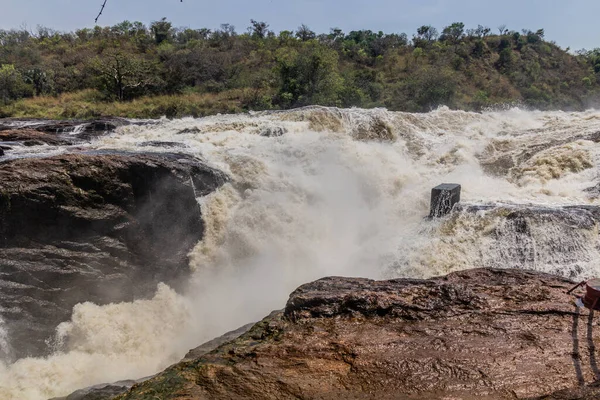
(137, 71)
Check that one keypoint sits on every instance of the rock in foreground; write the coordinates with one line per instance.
(483, 333)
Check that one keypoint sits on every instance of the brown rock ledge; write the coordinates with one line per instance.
(482, 333)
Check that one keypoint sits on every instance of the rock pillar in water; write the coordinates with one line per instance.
(443, 198)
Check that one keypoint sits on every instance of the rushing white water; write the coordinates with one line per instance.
(318, 192)
(5, 349)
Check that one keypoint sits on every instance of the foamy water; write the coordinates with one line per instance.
(339, 192)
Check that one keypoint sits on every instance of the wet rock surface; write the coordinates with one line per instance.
(99, 392)
(163, 144)
(96, 226)
(594, 191)
(580, 216)
(65, 132)
(30, 137)
(214, 343)
(561, 240)
(500, 158)
(106, 124)
(483, 333)
(272, 131)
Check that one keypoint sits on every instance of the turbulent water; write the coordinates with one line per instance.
(318, 192)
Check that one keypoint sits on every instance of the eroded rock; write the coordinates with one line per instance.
(100, 227)
(272, 131)
(158, 143)
(30, 137)
(216, 342)
(99, 392)
(495, 334)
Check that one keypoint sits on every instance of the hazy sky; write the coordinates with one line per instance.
(570, 23)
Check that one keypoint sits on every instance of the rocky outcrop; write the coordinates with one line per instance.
(500, 156)
(96, 226)
(163, 144)
(99, 392)
(580, 216)
(594, 191)
(17, 133)
(495, 334)
(561, 240)
(100, 125)
(36, 132)
(30, 137)
(214, 343)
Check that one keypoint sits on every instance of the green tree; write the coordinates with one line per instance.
(430, 88)
(12, 86)
(593, 58)
(453, 33)
(506, 60)
(124, 76)
(480, 32)
(308, 75)
(428, 33)
(162, 30)
(304, 33)
(258, 30)
(39, 79)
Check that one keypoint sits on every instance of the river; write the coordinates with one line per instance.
(320, 191)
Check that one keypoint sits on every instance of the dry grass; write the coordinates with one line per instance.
(88, 104)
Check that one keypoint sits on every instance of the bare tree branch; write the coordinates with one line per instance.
(100, 13)
(102, 9)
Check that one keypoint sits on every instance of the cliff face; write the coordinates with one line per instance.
(474, 334)
(92, 226)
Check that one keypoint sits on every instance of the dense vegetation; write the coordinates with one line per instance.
(133, 70)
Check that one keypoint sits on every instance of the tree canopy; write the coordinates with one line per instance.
(262, 69)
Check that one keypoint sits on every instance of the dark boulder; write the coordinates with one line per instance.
(64, 126)
(70, 129)
(30, 137)
(593, 191)
(158, 143)
(272, 131)
(99, 227)
(189, 130)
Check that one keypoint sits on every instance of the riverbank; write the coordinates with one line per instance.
(86, 104)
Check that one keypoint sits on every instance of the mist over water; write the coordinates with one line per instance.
(5, 350)
(317, 192)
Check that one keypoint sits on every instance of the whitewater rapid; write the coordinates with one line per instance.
(321, 191)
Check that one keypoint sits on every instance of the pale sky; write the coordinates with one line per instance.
(571, 23)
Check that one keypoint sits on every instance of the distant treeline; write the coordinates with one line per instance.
(260, 69)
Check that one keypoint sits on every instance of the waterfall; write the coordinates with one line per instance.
(337, 192)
